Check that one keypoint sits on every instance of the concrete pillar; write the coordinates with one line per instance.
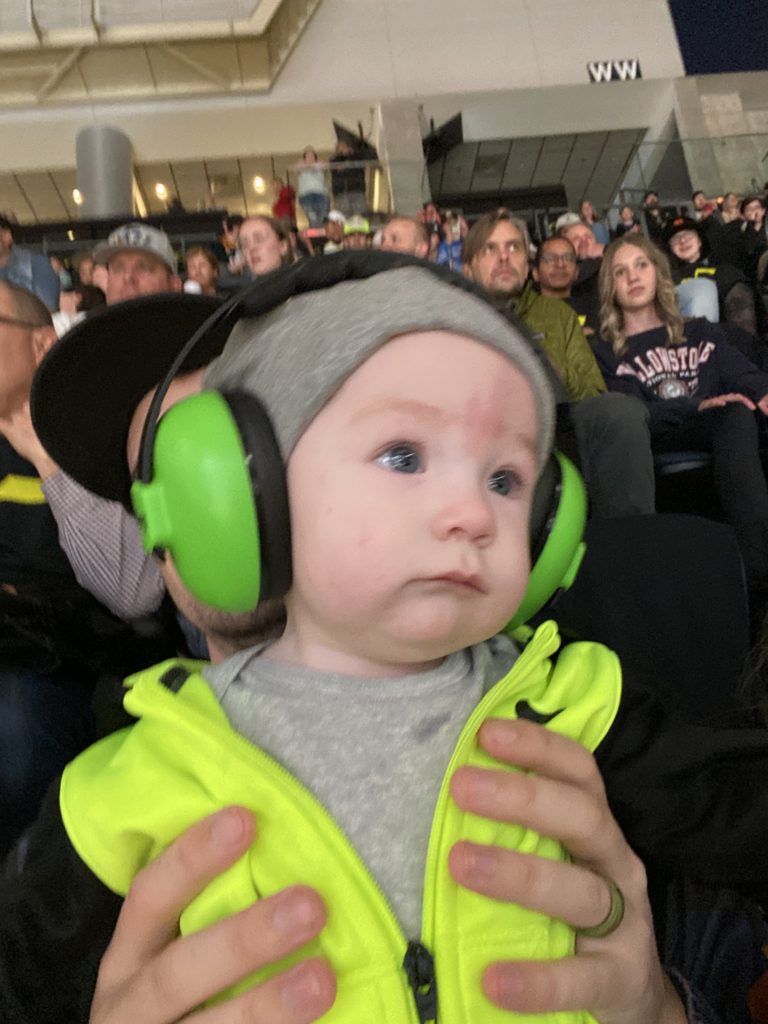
(104, 172)
(728, 153)
(398, 141)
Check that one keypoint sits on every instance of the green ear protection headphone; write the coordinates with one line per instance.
(211, 485)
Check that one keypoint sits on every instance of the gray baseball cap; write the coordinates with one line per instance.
(136, 237)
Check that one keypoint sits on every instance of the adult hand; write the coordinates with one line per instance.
(762, 405)
(150, 974)
(17, 428)
(617, 978)
(718, 401)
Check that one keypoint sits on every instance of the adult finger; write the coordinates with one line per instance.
(579, 819)
(527, 745)
(297, 996)
(150, 914)
(569, 892)
(192, 969)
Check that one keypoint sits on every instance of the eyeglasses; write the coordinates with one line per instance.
(558, 257)
(12, 321)
(493, 248)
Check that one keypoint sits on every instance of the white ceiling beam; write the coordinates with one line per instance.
(58, 73)
(195, 65)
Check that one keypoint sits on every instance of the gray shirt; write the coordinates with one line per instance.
(373, 751)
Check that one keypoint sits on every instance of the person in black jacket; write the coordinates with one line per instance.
(687, 243)
(702, 393)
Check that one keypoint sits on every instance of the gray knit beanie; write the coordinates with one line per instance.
(297, 356)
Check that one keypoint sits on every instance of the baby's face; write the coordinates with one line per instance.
(410, 501)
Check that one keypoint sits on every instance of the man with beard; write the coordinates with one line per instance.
(612, 437)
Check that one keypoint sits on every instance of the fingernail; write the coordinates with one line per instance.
(227, 828)
(294, 913)
(480, 862)
(483, 784)
(300, 988)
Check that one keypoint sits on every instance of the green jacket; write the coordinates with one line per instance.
(557, 327)
(131, 794)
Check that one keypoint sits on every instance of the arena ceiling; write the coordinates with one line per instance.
(74, 51)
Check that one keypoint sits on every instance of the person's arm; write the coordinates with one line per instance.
(103, 545)
(559, 793)
(99, 537)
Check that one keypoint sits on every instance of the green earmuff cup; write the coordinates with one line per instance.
(557, 547)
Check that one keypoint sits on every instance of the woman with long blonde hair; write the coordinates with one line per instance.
(701, 392)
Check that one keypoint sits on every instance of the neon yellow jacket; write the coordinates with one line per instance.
(131, 794)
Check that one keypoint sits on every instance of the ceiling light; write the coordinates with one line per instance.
(258, 183)
(71, 235)
(161, 191)
(77, 195)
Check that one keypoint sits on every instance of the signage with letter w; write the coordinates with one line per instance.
(614, 70)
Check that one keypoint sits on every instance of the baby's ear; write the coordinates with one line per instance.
(42, 339)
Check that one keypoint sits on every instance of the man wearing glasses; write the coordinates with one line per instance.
(52, 633)
(612, 438)
(556, 271)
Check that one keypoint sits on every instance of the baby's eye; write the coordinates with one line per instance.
(504, 482)
(401, 458)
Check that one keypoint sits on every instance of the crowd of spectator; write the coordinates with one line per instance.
(652, 332)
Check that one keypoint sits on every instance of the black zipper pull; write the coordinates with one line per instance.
(420, 968)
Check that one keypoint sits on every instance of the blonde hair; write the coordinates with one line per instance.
(665, 300)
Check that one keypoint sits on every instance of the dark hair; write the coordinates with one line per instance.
(91, 297)
(6, 224)
(698, 192)
(751, 199)
(233, 221)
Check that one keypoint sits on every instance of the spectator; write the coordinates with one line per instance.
(555, 271)
(754, 236)
(454, 231)
(264, 244)
(334, 223)
(83, 264)
(55, 638)
(75, 304)
(731, 209)
(284, 206)
(139, 260)
(612, 436)
(685, 240)
(405, 234)
(348, 182)
(357, 233)
(228, 254)
(628, 222)
(60, 270)
(30, 270)
(700, 391)
(655, 217)
(597, 225)
(202, 268)
(702, 207)
(313, 192)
